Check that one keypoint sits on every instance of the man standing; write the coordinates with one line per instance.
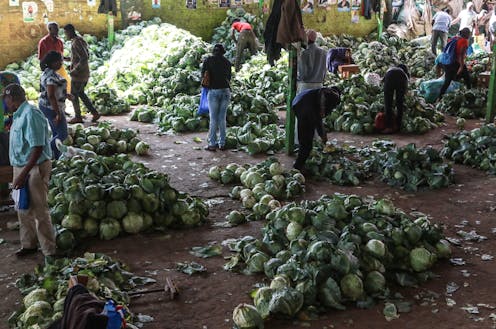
(458, 69)
(246, 39)
(467, 18)
(52, 42)
(30, 154)
(80, 74)
(395, 87)
(440, 26)
(311, 65)
(310, 107)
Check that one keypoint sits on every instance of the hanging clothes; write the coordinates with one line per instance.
(272, 47)
(106, 6)
(290, 27)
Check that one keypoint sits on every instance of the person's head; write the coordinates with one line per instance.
(53, 29)
(13, 95)
(465, 33)
(470, 5)
(447, 10)
(330, 98)
(311, 36)
(70, 31)
(235, 20)
(218, 49)
(404, 68)
(52, 60)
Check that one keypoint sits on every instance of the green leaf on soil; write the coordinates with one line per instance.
(206, 252)
(190, 268)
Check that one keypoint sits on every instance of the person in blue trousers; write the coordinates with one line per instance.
(219, 96)
(53, 93)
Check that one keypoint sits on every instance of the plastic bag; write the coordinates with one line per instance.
(432, 88)
(70, 151)
(203, 108)
(21, 197)
(115, 315)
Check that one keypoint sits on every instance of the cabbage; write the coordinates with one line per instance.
(276, 169)
(248, 202)
(235, 192)
(385, 207)
(270, 267)
(375, 282)
(296, 214)
(235, 218)
(36, 313)
(121, 147)
(443, 249)
(308, 290)
(246, 316)
(142, 148)
(255, 264)
(420, 259)
(72, 222)
(330, 294)
(320, 251)
(59, 305)
(352, 286)
(279, 282)
(65, 240)
(109, 229)
(116, 209)
(191, 218)
(98, 210)
(262, 299)
(293, 230)
(287, 301)
(132, 223)
(35, 296)
(274, 204)
(376, 248)
(214, 173)
(266, 199)
(90, 226)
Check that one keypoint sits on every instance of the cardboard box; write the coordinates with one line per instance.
(483, 79)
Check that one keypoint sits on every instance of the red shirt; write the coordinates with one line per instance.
(461, 44)
(240, 26)
(47, 44)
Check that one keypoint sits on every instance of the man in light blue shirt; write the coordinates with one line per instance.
(440, 26)
(30, 154)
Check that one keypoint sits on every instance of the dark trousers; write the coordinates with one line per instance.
(306, 131)
(77, 90)
(394, 88)
(436, 36)
(451, 73)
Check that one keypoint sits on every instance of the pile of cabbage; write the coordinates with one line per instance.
(45, 289)
(375, 57)
(256, 138)
(106, 100)
(419, 59)
(334, 252)
(465, 103)
(410, 168)
(105, 139)
(108, 196)
(360, 102)
(263, 185)
(475, 148)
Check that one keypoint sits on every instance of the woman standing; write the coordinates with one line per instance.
(219, 95)
(53, 93)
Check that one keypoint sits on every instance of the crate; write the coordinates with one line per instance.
(347, 70)
(483, 79)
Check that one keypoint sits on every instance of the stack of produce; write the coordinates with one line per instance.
(465, 103)
(44, 290)
(263, 185)
(144, 113)
(360, 102)
(478, 63)
(474, 148)
(335, 251)
(411, 168)
(222, 34)
(180, 114)
(418, 59)
(342, 40)
(106, 100)
(107, 196)
(375, 57)
(256, 137)
(105, 139)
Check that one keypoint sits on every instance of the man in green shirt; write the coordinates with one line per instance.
(30, 154)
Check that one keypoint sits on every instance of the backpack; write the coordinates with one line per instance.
(449, 52)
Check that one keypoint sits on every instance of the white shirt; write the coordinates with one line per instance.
(442, 21)
(467, 18)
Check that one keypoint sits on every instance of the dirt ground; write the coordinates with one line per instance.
(207, 301)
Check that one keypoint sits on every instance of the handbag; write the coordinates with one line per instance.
(205, 82)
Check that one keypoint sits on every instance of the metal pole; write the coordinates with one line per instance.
(290, 117)
(110, 23)
(492, 85)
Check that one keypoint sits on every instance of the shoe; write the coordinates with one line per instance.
(222, 147)
(95, 117)
(25, 251)
(210, 148)
(387, 131)
(75, 120)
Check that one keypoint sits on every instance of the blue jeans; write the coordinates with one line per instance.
(218, 100)
(59, 131)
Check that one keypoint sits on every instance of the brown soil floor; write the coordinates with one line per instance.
(207, 301)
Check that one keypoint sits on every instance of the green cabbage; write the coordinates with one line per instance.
(246, 316)
(109, 229)
(132, 223)
(35, 296)
(352, 286)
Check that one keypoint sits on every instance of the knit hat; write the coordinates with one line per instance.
(311, 35)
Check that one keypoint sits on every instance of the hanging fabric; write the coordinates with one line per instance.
(272, 48)
(106, 6)
(427, 17)
(290, 27)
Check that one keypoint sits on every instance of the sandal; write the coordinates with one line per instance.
(75, 120)
(210, 148)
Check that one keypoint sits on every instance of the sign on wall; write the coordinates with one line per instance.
(29, 11)
(13, 3)
(224, 3)
(91, 3)
(155, 4)
(191, 4)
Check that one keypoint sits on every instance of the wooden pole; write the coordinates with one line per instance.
(491, 102)
(290, 116)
